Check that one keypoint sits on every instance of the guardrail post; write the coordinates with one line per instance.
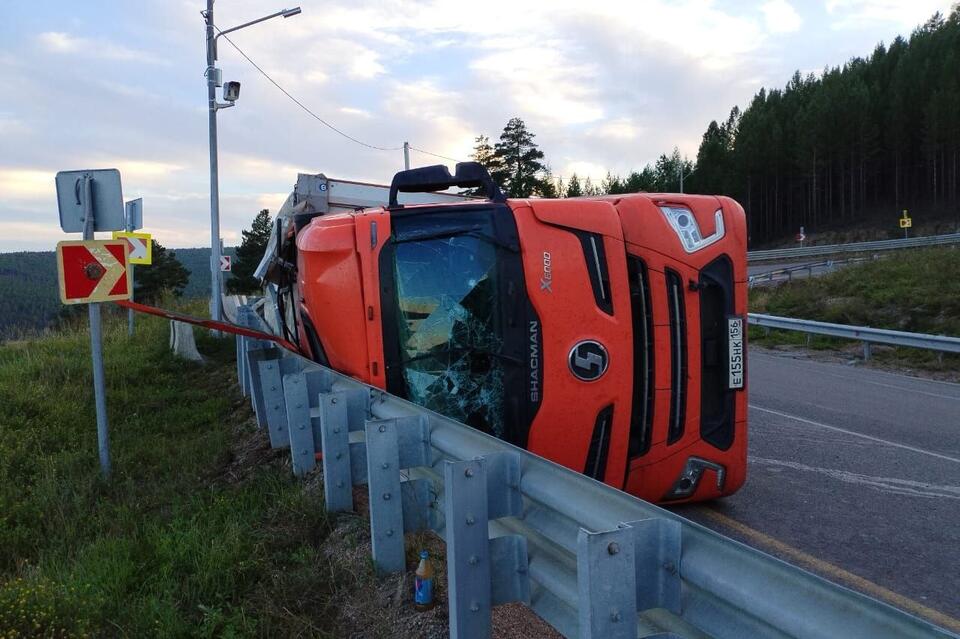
(297, 401)
(468, 549)
(482, 572)
(657, 559)
(334, 433)
(271, 382)
(866, 351)
(386, 502)
(396, 506)
(607, 584)
(254, 358)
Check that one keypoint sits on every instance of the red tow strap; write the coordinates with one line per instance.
(208, 323)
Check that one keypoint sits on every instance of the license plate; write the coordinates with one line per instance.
(737, 363)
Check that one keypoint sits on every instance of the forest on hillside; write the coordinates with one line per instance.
(29, 296)
(862, 141)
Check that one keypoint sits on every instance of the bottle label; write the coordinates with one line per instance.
(422, 590)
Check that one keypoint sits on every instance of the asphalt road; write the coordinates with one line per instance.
(853, 474)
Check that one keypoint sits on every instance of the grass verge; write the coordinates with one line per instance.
(201, 531)
(917, 291)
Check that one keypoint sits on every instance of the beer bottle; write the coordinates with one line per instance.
(423, 584)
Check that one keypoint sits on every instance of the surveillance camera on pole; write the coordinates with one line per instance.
(231, 91)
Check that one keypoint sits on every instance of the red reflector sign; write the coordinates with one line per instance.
(93, 271)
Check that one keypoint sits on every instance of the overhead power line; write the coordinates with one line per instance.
(436, 155)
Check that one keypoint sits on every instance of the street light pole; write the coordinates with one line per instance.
(216, 309)
(213, 81)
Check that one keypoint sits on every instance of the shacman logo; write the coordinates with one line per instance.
(547, 280)
(588, 360)
(534, 361)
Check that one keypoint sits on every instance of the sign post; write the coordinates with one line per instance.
(133, 216)
(92, 201)
(801, 236)
(905, 223)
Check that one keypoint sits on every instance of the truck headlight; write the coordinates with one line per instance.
(685, 226)
(689, 479)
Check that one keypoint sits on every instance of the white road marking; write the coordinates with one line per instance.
(856, 434)
(884, 484)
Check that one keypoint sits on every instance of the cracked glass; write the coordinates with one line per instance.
(449, 312)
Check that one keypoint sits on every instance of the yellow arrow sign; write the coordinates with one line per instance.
(141, 246)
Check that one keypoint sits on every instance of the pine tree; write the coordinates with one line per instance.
(483, 152)
(520, 171)
(573, 188)
(249, 254)
(165, 274)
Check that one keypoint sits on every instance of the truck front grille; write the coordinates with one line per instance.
(641, 417)
(678, 356)
(596, 465)
(716, 400)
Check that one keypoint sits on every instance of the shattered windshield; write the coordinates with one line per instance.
(450, 340)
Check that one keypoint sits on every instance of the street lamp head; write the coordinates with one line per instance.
(288, 13)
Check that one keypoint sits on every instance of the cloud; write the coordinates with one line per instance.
(861, 14)
(63, 43)
(542, 82)
(780, 16)
(584, 170)
(617, 129)
(604, 86)
(27, 184)
(359, 113)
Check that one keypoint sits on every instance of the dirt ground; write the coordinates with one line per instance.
(366, 606)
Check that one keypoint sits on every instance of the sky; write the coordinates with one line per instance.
(604, 85)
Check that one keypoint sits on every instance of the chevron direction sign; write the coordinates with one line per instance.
(141, 248)
(93, 271)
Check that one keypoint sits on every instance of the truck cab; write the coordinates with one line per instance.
(603, 333)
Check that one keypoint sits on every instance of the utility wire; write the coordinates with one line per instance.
(436, 155)
(305, 108)
(324, 122)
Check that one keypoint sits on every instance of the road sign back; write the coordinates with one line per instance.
(93, 271)
(106, 200)
(141, 246)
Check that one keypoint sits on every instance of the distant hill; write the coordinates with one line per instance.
(29, 300)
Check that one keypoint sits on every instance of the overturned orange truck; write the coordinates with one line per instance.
(604, 333)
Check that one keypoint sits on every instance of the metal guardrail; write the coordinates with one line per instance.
(853, 247)
(942, 343)
(589, 559)
(788, 271)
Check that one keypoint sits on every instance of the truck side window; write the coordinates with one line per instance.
(450, 341)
